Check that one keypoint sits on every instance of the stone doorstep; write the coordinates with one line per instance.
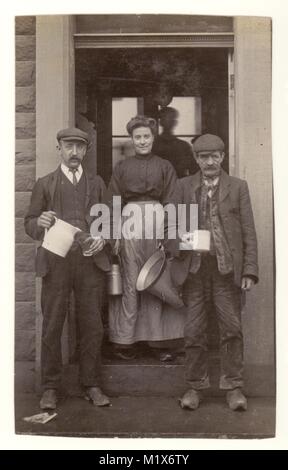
(166, 380)
(147, 380)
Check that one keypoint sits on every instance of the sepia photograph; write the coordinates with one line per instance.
(144, 226)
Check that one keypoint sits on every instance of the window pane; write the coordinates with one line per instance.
(122, 111)
(189, 120)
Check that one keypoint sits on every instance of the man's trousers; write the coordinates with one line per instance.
(80, 274)
(226, 297)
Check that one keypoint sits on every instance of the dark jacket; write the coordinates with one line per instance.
(238, 223)
(43, 199)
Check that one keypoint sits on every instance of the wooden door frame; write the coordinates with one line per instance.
(152, 40)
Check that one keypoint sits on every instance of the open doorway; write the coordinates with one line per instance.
(114, 84)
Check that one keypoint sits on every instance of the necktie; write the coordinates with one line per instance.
(73, 171)
(210, 189)
(211, 185)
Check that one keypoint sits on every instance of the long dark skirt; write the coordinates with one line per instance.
(136, 316)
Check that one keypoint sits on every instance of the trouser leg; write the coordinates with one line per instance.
(54, 303)
(227, 300)
(88, 288)
(195, 333)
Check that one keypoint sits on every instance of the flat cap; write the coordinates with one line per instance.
(208, 142)
(141, 121)
(73, 133)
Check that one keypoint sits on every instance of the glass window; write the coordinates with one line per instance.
(123, 109)
(189, 120)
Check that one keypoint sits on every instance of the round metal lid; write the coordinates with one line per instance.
(151, 270)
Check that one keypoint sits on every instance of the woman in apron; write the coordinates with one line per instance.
(145, 183)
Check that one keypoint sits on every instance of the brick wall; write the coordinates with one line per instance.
(25, 162)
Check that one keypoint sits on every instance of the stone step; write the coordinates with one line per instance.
(148, 378)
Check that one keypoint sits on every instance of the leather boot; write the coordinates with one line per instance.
(236, 400)
(190, 399)
(96, 395)
(48, 400)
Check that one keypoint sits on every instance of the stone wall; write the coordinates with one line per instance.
(25, 163)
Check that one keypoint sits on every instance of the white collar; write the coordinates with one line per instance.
(211, 181)
(68, 173)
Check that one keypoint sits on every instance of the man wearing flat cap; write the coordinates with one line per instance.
(68, 193)
(225, 272)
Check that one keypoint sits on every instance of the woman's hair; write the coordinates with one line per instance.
(141, 121)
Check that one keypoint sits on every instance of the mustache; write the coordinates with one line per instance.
(211, 166)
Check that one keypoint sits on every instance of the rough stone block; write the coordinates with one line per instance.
(24, 345)
(25, 316)
(25, 287)
(25, 73)
(25, 132)
(22, 201)
(25, 24)
(26, 120)
(25, 47)
(20, 235)
(25, 257)
(24, 177)
(25, 126)
(25, 149)
(25, 99)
